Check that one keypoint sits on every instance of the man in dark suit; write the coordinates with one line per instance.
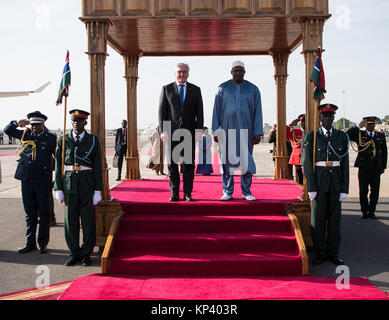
(35, 171)
(121, 146)
(371, 161)
(181, 107)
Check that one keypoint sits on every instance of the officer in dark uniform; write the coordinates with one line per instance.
(327, 183)
(79, 186)
(35, 171)
(371, 161)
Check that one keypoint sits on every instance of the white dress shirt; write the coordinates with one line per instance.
(75, 136)
(325, 131)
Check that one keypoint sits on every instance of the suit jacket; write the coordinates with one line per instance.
(39, 170)
(326, 178)
(119, 139)
(189, 116)
(366, 158)
(87, 153)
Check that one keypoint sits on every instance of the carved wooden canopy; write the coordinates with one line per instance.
(203, 27)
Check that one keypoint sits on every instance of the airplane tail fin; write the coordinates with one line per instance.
(40, 89)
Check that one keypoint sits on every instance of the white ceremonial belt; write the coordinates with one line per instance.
(328, 164)
(76, 168)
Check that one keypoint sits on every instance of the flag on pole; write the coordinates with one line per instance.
(318, 77)
(65, 81)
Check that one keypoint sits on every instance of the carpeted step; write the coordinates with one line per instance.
(206, 264)
(145, 195)
(243, 207)
(207, 242)
(114, 287)
(203, 224)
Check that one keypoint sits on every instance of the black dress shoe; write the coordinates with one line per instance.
(42, 250)
(319, 259)
(118, 179)
(371, 215)
(188, 197)
(364, 215)
(71, 261)
(26, 249)
(174, 197)
(336, 260)
(86, 261)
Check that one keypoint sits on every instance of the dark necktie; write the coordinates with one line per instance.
(77, 140)
(328, 135)
(182, 94)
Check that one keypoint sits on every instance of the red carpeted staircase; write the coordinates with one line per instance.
(208, 249)
(207, 237)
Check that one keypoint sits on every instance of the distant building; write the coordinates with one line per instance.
(382, 127)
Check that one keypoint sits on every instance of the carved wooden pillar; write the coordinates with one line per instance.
(312, 29)
(106, 210)
(132, 156)
(280, 60)
(97, 50)
(312, 38)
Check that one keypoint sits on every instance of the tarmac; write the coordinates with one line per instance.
(364, 245)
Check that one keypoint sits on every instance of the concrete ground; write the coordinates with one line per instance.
(363, 247)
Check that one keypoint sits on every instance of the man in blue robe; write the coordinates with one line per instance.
(237, 126)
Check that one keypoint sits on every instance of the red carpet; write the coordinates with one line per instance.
(209, 249)
(207, 237)
(151, 196)
(110, 287)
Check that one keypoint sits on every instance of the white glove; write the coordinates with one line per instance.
(96, 197)
(59, 195)
(312, 195)
(164, 137)
(198, 135)
(342, 196)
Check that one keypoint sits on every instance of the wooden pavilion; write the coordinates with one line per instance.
(136, 28)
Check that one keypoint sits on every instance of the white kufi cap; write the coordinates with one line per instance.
(237, 64)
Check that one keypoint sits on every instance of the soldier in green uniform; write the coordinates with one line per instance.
(80, 186)
(371, 161)
(327, 175)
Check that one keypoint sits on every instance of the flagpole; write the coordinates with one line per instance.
(315, 126)
(63, 137)
(318, 81)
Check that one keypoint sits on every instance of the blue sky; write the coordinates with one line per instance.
(36, 34)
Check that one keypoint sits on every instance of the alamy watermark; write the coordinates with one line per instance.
(342, 19)
(343, 280)
(43, 280)
(233, 148)
(42, 17)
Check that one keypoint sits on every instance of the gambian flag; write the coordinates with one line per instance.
(318, 77)
(65, 82)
